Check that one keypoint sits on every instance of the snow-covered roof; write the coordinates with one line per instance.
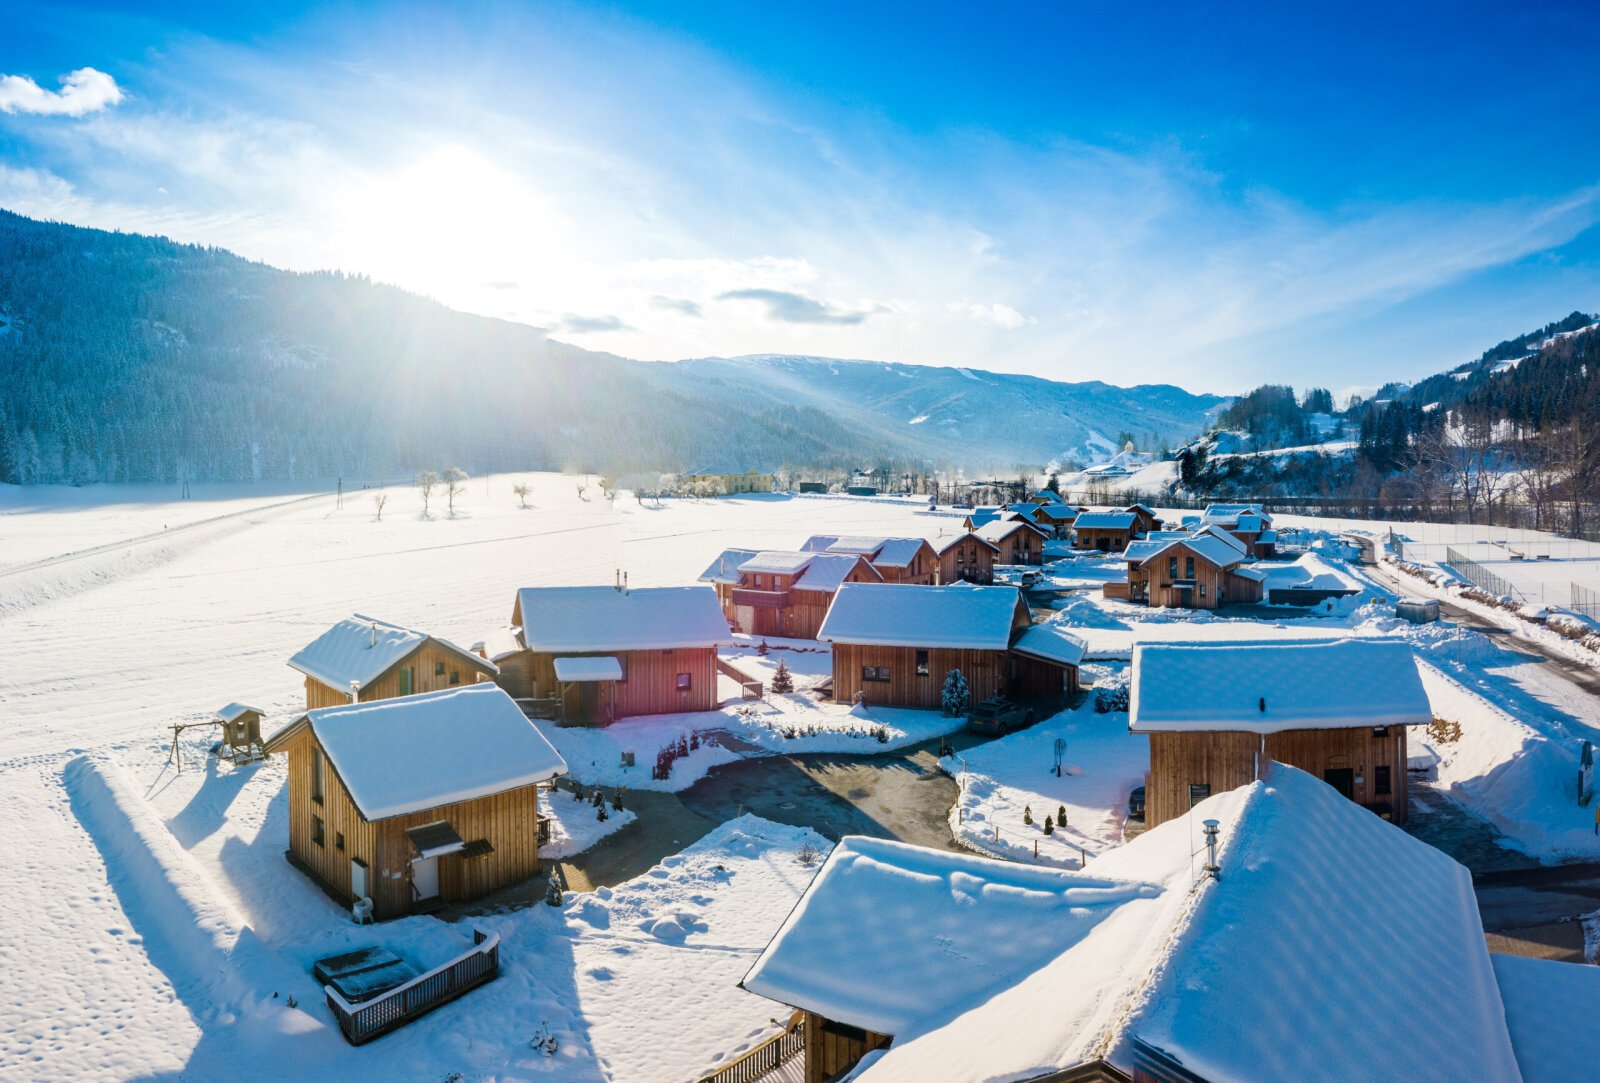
(1547, 1005)
(825, 572)
(1267, 537)
(980, 516)
(413, 753)
(362, 649)
(895, 552)
(1202, 545)
(859, 545)
(888, 934)
(1052, 642)
(906, 615)
(1246, 517)
(725, 569)
(1230, 511)
(501, 643)
(1000, 530)
(558, 620)
(776, 562)
(1224, 536)
(588, 667)
(232, 711)
(1234, 978)
(1268, 687)
(1105, 520)
(818, 543)
(957, 539)
(723, 471)
(1309, 572)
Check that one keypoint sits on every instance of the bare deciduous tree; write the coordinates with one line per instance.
(455, 483)
(426, 481)
(522, 489)
(378, 501)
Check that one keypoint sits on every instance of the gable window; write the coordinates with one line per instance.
(683, 682)
(1380, 731)
(338, 840)
(961, 556)
(316, 775)
(455, 674)
(758, 582)
(316, 830)
(875, 673)
(1172, 567)
(438, 669)
(1198, 792)
(922, 663)
(1380, 779)
(405, 680)
(1188, 568)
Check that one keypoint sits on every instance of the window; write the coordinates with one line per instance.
(338, 840)
(316, 775)
(316, 830)
(758, 582)
(1188, 568)
(922, 663)
(875, 673)
(405, 681)
(683, 682)
(455, 674)
(438, 669)
(1202, 590)
(1172, 567)
(1380, 779)
(1380, 731)
(1198, 792)
(961, 556)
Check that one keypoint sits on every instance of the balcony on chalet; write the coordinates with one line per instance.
(761, 599)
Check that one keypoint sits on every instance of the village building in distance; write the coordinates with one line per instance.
(1107, 531)
(724, 480)
(896, 560)
(362, 659)
(1247, 522)
(1189, 570)
(967, 558)
(596, 654)
(895, 645)
(1218, 713)
(782, 594)
(1016, 541)
(404, 805)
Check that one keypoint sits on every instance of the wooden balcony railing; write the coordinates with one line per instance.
(776, 1050)
(761, 599)
(361, 1022)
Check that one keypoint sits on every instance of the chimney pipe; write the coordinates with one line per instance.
(616, 584)
(355, 691)
(374, 642)
(624, 582)
(1212, 869)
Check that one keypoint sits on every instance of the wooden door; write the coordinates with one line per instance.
(1342, 779)
(425, 878)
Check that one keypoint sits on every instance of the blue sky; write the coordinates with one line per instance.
(1213, 195)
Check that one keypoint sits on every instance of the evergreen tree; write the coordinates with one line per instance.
(782, 682)
(953, 697)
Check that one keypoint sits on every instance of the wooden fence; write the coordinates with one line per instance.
(776, 1050)
(370, 1019)
(752, 688)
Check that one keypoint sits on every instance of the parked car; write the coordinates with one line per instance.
(1031, 579)
(998, 715)
(1136, 803)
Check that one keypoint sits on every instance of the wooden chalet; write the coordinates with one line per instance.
(1015, 541)
(896, 560)
(1218, 713)
(1107, 531)
(362, 659)
(1247, 522)
(783, 594)
(726, 480)
(1057, 519)
(967, 558)
(595, 654)
(1189, 571)
(895, 645)
(1045, 496)
(981, 516)
(1155, 964)
(1146, 520)
(416, 802)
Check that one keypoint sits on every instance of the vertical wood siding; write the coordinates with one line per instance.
(650, 688)
(1227, 760)
(423, 662)
(829, 1054)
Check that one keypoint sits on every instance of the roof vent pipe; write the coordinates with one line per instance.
(624, 582)
(617, 584)
(355, 691)
(374, 642)
(1263, 704)
(1212, 869)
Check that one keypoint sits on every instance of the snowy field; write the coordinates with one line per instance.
(154, 915)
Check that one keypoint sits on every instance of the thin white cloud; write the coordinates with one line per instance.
(83, 91)
(998, 314)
